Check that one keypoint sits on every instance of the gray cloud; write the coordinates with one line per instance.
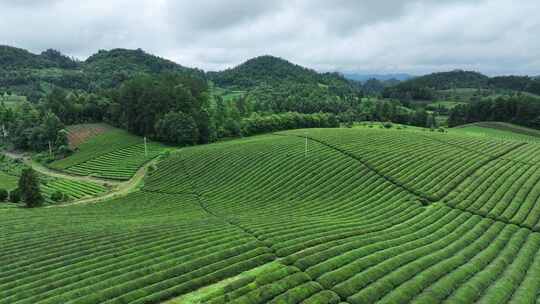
(420, 36)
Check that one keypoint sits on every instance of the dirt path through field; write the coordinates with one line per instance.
(119, 188)
(50, 172)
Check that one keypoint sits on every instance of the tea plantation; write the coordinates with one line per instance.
(114, 154)
(363, 215)
(10, 171)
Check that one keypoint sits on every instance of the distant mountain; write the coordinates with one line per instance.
(427, 87)
(382, 77)
(452, 79)
(269, 70)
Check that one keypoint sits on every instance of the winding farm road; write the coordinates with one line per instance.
(54, 173)
(122, 189)
(119, 188)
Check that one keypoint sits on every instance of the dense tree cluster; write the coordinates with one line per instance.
(519, 109)
(140, 105)
(373, 87)
(257, 124)
(389, 111)
(74, 108)
(409, 91)
(516, 83)
(28, 128)
(300, 97)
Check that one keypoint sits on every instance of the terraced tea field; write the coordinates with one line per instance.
(114, 154)
(364, 216)
(10, 170)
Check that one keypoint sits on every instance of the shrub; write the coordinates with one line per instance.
(63, 151)
(151, 169)
(58, 196)
(3, 195)
(387, 125)
(15, 196)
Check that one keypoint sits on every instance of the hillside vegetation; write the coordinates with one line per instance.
(35, 76)
(363, 215)
(429, 86)
(276, 85)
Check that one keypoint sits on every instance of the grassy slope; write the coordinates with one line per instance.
(81, 133)
(368, 215)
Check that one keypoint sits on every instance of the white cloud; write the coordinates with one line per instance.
(492, 36)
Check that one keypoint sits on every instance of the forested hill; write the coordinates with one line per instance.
(32, 75)
(452, 79)
(278, 85)
(272, 70)
(12, 58)
(117, 65)
(425, 87)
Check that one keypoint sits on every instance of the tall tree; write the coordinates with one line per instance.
(29, 188)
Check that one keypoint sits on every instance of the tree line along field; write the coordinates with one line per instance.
(106, 152)
(367, 215)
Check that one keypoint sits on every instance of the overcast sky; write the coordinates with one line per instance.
(379, 36)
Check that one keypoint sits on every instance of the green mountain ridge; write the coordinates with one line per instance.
(425, 87)
(272, 79)
(16, 58)
(25, 73)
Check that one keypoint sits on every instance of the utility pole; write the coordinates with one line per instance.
(50, 149)
(145, 148)
(4, 133)
(305, 152)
